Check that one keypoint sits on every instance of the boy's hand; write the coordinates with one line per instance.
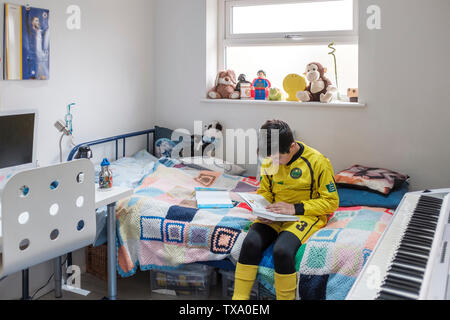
(282, 208)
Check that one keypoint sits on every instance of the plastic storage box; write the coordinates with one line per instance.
(193, 280)
(228, 286)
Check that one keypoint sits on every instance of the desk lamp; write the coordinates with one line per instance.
(65, 129)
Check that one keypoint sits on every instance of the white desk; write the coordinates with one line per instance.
(109, 198)
(106, 197)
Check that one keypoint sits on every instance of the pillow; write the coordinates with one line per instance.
(144, 156)
(375, 179)
(213, 164)
(350, 197)
(164, 142)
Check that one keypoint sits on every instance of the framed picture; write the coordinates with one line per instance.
(27, 43)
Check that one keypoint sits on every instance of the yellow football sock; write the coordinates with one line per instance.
(244, 279)
(285, 286)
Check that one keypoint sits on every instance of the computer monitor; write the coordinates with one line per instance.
(18, 133)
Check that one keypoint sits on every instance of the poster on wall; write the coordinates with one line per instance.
(27, 43)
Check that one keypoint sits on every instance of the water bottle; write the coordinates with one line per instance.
(105, 177)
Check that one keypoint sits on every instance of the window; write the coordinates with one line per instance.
(282, 37)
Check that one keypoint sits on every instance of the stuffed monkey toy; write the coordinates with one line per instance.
(320, 88)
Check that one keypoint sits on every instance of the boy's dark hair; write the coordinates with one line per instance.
(275, 136)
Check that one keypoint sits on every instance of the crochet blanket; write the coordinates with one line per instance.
(160, 227)
(331, 260)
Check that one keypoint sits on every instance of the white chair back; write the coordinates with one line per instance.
(46, 213)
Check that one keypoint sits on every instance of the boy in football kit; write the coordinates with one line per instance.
(296, 180)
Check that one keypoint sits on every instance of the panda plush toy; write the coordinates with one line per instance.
(209, 141)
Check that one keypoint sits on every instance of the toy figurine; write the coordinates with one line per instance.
(275, 94)
(261, 86)
(241, 80)
(352, 94)
(243, 87)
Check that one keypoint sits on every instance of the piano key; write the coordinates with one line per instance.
(410, 257)
(420, 228)
(428, 216)
(406, 260)
(428, 208)
(410, 280)
(408, 266)
(383, 295)
(432, 209)
(392, 282)
(430, 203)
(419, 232)
(422, 218)
(424, 221)
(418, 245)
(427, 213)
(430, 199)
(412, 253)
(406, 271)
(414, 249)
(402, 288)
(417, 240)
(412, 234)
(397, 295)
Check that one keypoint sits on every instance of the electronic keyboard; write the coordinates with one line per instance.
(411, 260)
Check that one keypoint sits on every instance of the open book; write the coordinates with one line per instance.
(258, 204)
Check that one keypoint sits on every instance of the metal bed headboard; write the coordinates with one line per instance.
(117, 139)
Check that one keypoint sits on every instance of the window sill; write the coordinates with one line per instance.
(336, 104)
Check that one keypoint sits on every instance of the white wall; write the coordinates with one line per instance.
(106, 68)
(403, 79)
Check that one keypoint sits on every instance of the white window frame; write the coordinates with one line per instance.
(228, 39)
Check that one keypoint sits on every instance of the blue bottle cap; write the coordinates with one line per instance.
(105, 163)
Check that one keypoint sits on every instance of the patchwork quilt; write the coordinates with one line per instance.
(160, 227)
(331, 260)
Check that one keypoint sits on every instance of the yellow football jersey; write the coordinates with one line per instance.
(307, 182)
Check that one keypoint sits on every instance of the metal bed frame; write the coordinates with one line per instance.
(116, 139)
(226, 264)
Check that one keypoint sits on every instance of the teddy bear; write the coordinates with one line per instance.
(320, 88)
(225, 86)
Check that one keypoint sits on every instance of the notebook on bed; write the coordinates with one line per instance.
(210, 198)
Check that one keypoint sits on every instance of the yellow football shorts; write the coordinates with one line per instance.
(303, 229)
